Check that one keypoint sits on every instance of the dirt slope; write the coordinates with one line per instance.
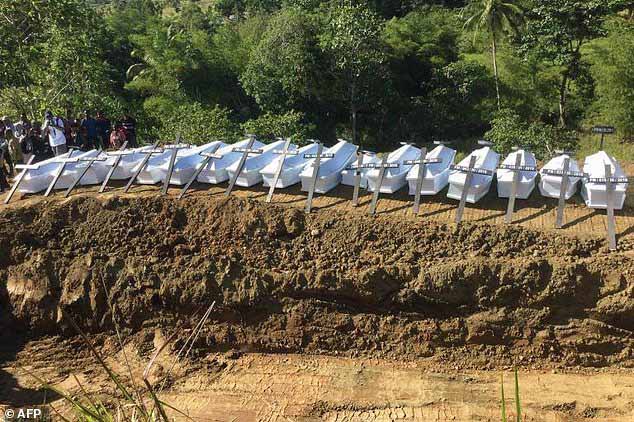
(474, 295)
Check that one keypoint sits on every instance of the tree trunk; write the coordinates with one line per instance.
(495, 70)
(353, 111)
(563, 97)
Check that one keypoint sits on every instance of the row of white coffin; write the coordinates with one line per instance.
(335, 169)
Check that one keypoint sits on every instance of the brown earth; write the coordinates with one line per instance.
(336, 283)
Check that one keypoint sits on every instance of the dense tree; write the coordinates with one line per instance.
(496, 17)
(352, 37)
(556, 32)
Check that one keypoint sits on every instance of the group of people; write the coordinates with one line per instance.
(21, 140)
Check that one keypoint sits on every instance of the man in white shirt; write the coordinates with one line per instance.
(54, 127)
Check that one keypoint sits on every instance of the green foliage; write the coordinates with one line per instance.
(283, 68)
(195, 123)
(377, 71)
(459, 103)
(556, 32)
(508, 131)
(269, 126)
(614, 76)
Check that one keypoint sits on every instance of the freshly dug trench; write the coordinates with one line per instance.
(329, 282)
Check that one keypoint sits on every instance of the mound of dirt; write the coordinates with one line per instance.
(473, 295)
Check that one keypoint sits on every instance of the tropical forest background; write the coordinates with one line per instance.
(537, 73)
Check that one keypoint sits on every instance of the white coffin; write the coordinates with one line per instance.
(156, 168)
(526, 180)
(216, 171)
(348, 176)
(38, 180)
(550, 186)
(186, 165)
(395, 178)
(480, 184)
(125, 168)
(293, 166)
(250, 174)
(330, 169)
(436, 174)
(71, 171)
(595, 194)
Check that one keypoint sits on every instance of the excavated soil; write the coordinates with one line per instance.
(335, 283)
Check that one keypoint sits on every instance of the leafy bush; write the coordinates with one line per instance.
(509, 130)
(196, 123)
(269, 125)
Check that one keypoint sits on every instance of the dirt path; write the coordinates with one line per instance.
(255, 387)
(309, 388)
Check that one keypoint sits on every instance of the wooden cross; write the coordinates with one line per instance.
(470, 171)
(610, 183)
(245, 154)
(284, 152)
(25, 169)
(313, 179)
(384, 165)
(565, 175)
(516, 168)
(118, 156)
(148, 154)
(211, 155)
(422, 163)
(170, 169)
(357, 175)
(87, 162)
(59, 173)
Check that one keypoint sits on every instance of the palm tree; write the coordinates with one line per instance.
(496, 17)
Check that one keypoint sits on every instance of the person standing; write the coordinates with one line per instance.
(4, 184)
(15, 150)
(103, 130)
(129, 124)
(90, 126)
(54, 127)
(22, 127)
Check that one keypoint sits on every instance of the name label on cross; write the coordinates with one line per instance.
(554, 172)
(517, 168)
(327, 155)
(281, 151)
(248, 151)
(604, 180)
(483, 172)
(427, 161)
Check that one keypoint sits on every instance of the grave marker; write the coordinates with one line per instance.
(59, 173)
(245, 154)
(278, 172)
(86, 163)
(565, 175)
(118, 156)
(25, 169)
(148, 154)
(357, 174)
(603, 130)
(610, 183)
(422, 168)
(313, 179)
(208, 157)
(170, 169)
(384, 165)
(516, 168)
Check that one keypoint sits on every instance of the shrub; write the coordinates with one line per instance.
(269, 125)
(509, 130)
